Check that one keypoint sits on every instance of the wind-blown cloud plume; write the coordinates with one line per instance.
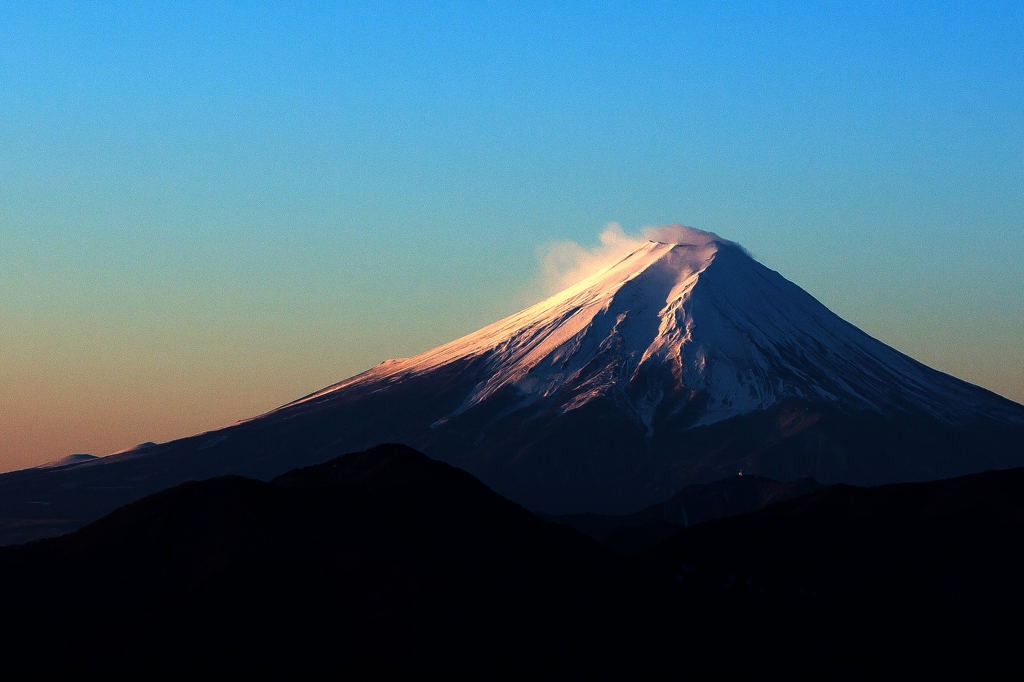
(563, 263)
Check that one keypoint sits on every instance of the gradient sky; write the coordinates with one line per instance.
(209, 209)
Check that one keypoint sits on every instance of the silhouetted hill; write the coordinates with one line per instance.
(385, 561)
(913, 576)
(382, 558)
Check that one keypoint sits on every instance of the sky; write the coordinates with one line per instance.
(210, 209)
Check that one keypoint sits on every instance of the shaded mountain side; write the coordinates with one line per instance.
(634, 533)
(595, 459)
(591, 459)
(905, 577)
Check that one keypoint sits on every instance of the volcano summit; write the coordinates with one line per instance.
(681, 363)
(692, 334)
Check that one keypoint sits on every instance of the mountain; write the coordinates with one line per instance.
(388, 561)
(67, 461)
(680, 364)
(697, 332)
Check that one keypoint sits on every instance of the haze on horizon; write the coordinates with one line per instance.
(209, 210)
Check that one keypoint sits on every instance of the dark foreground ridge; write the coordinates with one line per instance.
(387, 560)
(382, 558)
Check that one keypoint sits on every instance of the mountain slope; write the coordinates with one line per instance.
(680, 364)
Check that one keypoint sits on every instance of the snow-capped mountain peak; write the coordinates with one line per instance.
(671, 327)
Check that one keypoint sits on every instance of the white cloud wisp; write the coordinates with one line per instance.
(564, 263)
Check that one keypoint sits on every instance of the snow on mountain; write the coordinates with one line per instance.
(673, 323)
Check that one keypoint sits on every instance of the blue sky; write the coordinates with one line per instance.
(209, 209)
